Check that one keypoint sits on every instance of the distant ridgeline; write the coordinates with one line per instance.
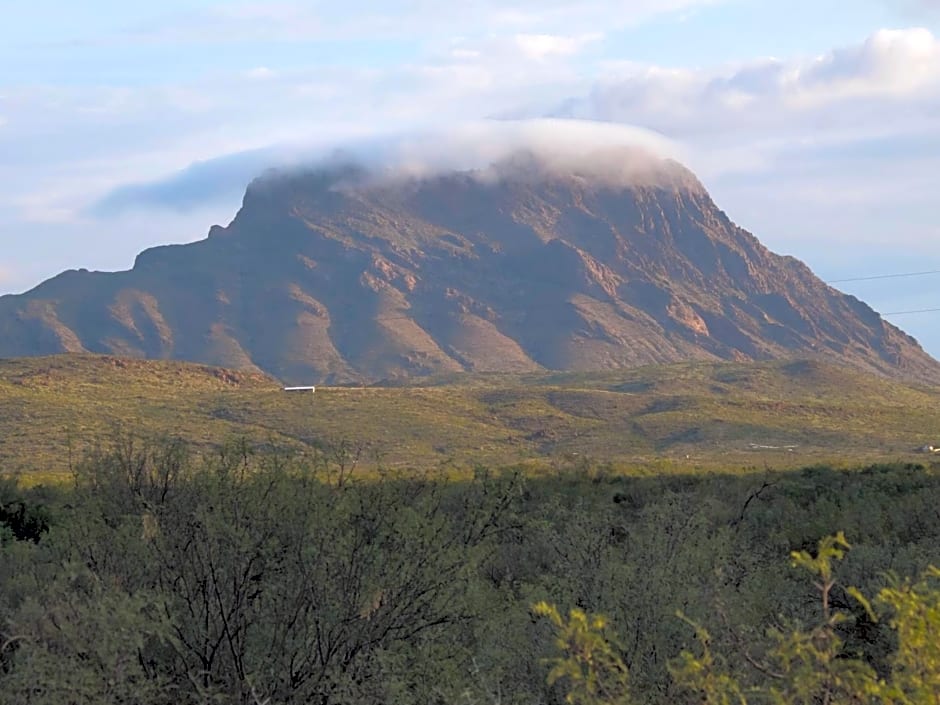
(683, 417)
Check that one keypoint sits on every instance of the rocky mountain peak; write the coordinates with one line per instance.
(347, 273)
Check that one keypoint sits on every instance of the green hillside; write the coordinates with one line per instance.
(676, 417)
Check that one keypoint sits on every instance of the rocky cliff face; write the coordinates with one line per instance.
(333, 275)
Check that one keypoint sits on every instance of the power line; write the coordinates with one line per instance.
(904, 313)
(893, 276)
(884, 276)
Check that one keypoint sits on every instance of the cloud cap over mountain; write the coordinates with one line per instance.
(614, 152)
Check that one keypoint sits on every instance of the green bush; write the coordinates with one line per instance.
(260, 576)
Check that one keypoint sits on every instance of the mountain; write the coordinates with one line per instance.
(338, 274)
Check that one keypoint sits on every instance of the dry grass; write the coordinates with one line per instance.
(702, 416)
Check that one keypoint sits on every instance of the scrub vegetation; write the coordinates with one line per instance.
(682, 418)
(162, 573)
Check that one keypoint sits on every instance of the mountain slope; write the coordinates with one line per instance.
(334, 275)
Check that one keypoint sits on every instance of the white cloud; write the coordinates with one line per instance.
(832, 158)
(891, 68)
(71, 145)
(260, 73)
(541, 46)
(616, 153)
(890, 63)
(507, 56)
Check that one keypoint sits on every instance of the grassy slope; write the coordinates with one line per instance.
(649, 417)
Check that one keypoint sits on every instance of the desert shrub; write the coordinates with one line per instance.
(253, 574)
(23, 515)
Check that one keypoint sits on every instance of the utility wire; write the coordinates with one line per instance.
(884, 276)
(893, 276)
(904, 313)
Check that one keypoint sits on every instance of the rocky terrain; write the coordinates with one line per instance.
(335, 275)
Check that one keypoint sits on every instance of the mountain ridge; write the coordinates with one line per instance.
(338, 274)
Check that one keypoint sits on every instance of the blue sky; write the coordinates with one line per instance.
(815, 124)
